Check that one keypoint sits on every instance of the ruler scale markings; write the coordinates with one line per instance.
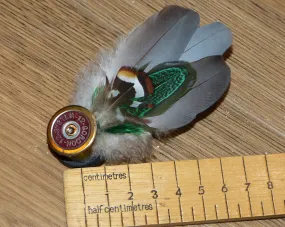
(156, 212)
(142, 185)
(239, 211)
(122, 219)
(83, 190)
(157, 216)
(199, 172)
(129, 175)
(165, 193)
(107, 194)
(188, 182)
(273, 203)
(270, 182)
(178, 191)
(235, 188)
(245, 174)
(106, 184)
(130, 184)
(134, 220)
(120, 197)
(267, 169)
(259, 189)
(152, 175)
(95, 194)
(262, 208)
(200, 178)
(276, 164)
(224, 189)
(204, 207)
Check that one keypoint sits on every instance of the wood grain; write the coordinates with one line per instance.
(43, 44)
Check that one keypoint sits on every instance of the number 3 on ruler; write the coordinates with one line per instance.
(154, 194)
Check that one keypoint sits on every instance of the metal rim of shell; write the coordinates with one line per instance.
(71, 131)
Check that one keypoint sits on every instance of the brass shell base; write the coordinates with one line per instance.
(71, 132)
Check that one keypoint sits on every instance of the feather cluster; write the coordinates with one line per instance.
(155, 80)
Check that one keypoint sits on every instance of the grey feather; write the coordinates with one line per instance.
(210, 40)
(172, 44)
(213, 78)
(142, 39)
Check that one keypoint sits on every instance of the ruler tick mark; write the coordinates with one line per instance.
(107, 194)
(200, 178)
(204, 209)
(248, 194)
(216, 211)
(157, 216)
(98, 223)
(145, 217)
(122, 219)
(227, 206)
(239, 211)
(273, 203)
(199, 172)
(222, 172)
(106, 184)
(262, 208)
(269, 180)
(134, 220)
(226, 199)
(83, 190)
(157, 212)
(267, 169)
(152, 176)
(130, 184)
(193, 214)
(169, 219)
(178, 189)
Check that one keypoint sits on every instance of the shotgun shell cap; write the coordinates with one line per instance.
(71, 131)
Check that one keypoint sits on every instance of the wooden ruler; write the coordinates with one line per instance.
(177, 192)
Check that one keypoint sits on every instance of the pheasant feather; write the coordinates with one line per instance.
(157, 79)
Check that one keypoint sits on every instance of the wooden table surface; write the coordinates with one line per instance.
(44, 44)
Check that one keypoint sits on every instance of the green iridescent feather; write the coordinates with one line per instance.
(96, 92)
(171, 81)
(126, 128)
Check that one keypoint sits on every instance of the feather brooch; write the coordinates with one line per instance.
(157, 79)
